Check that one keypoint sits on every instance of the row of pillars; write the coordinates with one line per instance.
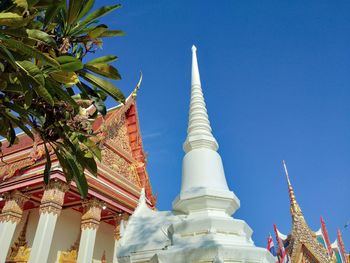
(50, 208)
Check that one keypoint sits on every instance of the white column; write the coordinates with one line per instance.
(11, 215)
(90, 221)
(50, 208)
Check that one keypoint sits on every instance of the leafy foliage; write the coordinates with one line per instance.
(46, 86)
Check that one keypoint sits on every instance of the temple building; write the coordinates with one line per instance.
(118, 221)
(304, 245)
(51, 223)
(200, 227)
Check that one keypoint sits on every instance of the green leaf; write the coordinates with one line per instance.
(87, 161)
(62, 94)
(21, 3)
(74, 8)
(16, 32)
(5, 53)
(32, 71)
(69, 63)
(105, 70)
(28, 98)
(18, 123)
(112, 33)
(98, 13)
(10, 19)
(87, 7)
(51, 12)
(19, 46)
(77, 173)
(68, 78)
(47, 166)
(93, 148)
(43, 92)
(41, 36)
(97, 31)
(103, 59)
(64, 165)
(106, 86)
(11, 135)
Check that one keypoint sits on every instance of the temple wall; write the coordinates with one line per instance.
(66, 233)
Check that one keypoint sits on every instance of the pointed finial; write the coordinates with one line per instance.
(199, 133)
(294, 206)
(134, 93)
(286, 172)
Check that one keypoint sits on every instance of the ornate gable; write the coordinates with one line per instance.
(122, 146)
(303, 245)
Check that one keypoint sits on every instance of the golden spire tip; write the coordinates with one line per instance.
(286, 172)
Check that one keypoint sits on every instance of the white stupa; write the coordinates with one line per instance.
(200, 228)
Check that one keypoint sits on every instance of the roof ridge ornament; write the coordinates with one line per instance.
(294, 206)
(138, 85)
(199, 132)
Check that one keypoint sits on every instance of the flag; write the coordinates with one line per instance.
(326, 237)
(342, 252)
(283, 255)
(271, 246)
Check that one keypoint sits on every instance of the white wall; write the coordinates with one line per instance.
(66, 232)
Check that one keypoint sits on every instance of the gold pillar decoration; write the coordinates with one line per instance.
(53, 197)
(20, 250)
(71, 255)
(103, 258)
(13, 208)
(116, 233)
(92, 214)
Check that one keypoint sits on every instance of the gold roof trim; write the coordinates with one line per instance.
(303, 245)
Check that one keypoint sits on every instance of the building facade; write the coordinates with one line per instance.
(51, 223)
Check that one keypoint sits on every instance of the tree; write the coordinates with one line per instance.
(47, 89)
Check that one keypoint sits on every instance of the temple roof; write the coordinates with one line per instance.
(302, 242)
(121, 173)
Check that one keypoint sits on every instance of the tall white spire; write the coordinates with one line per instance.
(202, 170)
(199, 133)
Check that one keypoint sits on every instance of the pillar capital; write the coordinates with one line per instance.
(118, 218)
(53, 197)
(13, 208)
(92, 214)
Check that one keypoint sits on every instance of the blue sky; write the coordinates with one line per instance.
(275, 76)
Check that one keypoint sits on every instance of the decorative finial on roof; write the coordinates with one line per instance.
(294, 206)
(134, 93)
(199, 133)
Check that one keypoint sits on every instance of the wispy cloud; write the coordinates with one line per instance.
(152, 135)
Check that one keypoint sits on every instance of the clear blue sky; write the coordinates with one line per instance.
(276, 77)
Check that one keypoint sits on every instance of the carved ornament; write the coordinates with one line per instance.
(13, 208)
(92, 214)
(120, 165)
(53, 197)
